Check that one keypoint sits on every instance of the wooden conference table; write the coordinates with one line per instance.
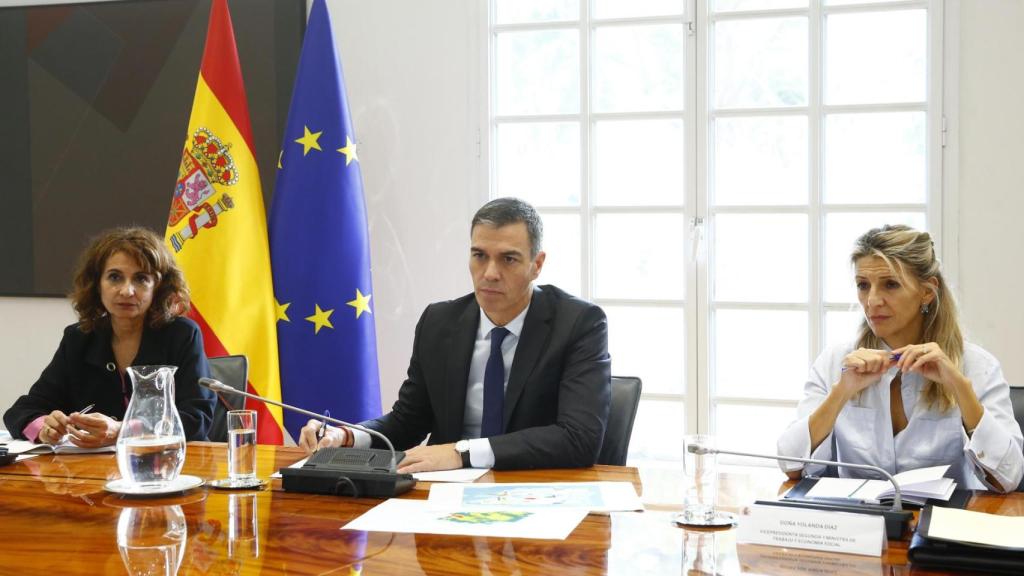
(55, 518)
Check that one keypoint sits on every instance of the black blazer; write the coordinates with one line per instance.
(556, 402)
(79, 375)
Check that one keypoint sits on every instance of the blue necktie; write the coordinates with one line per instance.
(494, 387)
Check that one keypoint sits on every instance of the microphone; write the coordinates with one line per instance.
(331, 470)
(217, 386)
(895, 518)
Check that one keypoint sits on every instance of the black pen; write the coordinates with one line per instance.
(322, 431)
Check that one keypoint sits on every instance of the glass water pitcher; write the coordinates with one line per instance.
(151, 445)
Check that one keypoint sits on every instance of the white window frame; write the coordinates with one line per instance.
(941, 194)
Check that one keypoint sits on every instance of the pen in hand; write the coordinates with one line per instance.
(322, 431)
(85, 410)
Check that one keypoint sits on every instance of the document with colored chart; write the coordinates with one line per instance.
(588, 496)
(426, 517)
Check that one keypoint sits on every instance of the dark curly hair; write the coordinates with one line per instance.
(170, 294)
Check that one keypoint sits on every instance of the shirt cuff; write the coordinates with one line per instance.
(480, 453)
(795, 442)
(991, 451)
(360, 439)
(31, 432)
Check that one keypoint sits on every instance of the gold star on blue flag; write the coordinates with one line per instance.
(319, 245)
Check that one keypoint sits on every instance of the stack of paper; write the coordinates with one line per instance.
(26, 449)
(916, 486)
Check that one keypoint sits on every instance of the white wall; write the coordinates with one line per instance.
(411, 72)
(991, 178)
(412, 68)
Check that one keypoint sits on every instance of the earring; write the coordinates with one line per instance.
(924, 309)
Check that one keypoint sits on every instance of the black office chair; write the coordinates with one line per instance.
(621, 415)
(1017, 399)
(232, 371)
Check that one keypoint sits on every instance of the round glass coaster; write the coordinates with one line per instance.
(229, 484)
(719, 520)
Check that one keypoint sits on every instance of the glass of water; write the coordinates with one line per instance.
(242, 446)
(700, 485)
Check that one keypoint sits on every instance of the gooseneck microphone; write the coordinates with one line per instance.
(217, 386)
(897, 501)
(896, 518)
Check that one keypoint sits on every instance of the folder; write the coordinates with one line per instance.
(927, 552)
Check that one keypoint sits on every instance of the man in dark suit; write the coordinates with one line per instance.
(511, 376)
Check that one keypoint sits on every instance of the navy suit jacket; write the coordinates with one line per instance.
(559, 386)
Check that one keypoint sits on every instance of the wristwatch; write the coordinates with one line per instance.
(462, 447)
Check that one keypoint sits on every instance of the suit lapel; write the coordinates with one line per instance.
(460, 341)
(534, 338)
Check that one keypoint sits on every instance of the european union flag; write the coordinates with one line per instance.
(320, 248)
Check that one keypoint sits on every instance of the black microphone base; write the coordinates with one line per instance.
(358, 484)
(895, 520)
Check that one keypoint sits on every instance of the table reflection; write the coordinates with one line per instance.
(243, 527)
(151, 539)
(700, 555)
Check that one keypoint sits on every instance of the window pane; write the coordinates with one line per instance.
(890, 67)
(632, 8)
(737, 5)
(537, 72)
(846, 2)
(539, 163)
(761, 160)
(751, 268)
(841, 231)
(760, 353)
(658, 431)
(733, 425)
(640, 256)
(512, 11)
(649, 343)
(875, 158)
(639, 162)
(562, 245)
(639, 68)
(760, 63)
(842, 327)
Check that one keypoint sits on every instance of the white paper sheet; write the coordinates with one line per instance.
(293, 465)
(425, 517)
(835, 487)
(588, 496)
(457, 475)
(977, 528)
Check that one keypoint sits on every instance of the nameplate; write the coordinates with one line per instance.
(842, 532)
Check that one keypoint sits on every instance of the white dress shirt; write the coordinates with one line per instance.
(480, 453)
(863, 430)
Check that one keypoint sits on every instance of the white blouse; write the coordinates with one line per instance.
(863, 431)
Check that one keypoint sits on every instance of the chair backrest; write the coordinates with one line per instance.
(621, 415)
(1017, 399)
(232, 371)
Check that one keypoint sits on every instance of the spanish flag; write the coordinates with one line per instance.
(217, 227)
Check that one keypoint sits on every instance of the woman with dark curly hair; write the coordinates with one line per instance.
(131, 298)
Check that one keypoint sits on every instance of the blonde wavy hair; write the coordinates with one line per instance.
(911, 253)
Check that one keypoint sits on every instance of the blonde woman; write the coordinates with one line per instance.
(909, 392)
